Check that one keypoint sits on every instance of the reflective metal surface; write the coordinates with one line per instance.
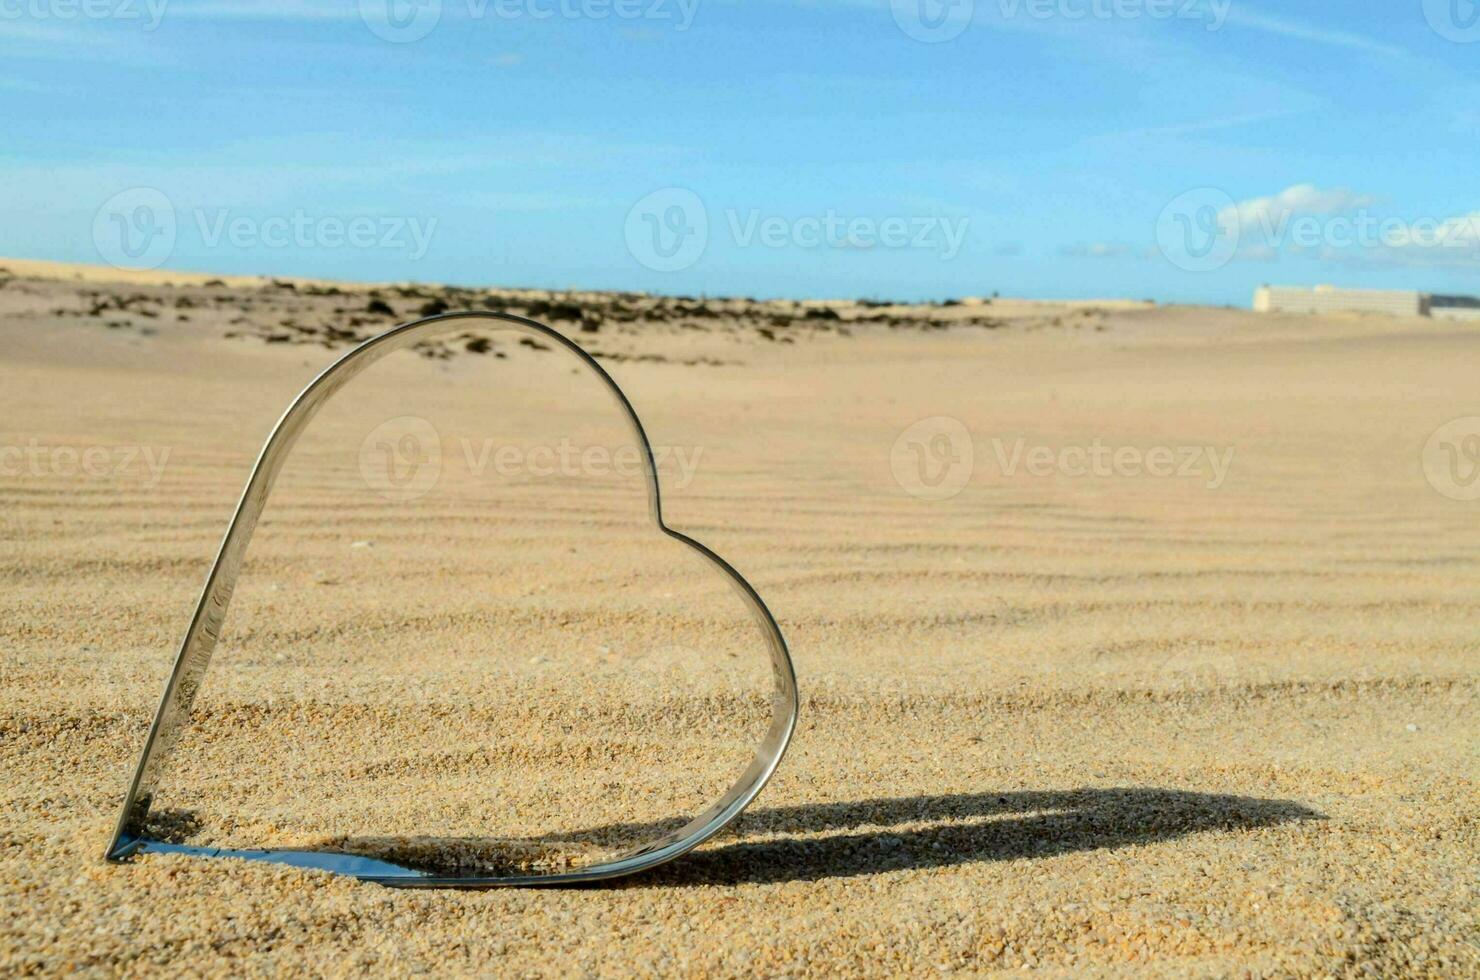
(194, 657)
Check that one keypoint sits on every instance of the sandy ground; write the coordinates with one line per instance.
(1217, 723)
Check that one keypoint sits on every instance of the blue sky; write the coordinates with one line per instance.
(1183, 150)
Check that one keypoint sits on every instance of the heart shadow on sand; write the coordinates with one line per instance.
(816, 841)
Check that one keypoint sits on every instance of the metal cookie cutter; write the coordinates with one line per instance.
(205, 629)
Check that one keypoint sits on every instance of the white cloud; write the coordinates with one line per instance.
(1258, 253)
(1340, 225)
(36, 88)
(1225, 122)
(1101, 250)
(1459, 232)
(1449, 243)
(1267, 217)
(532, 203)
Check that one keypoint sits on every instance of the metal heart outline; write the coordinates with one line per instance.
(205, 629)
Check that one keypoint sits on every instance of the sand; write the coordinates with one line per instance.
(1074, 723)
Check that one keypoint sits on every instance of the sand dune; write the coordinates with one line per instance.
(1218, 721)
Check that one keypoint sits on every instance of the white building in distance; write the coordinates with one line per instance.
(1330, 299)
(1455, 307)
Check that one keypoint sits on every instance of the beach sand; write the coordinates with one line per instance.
(1217, 722)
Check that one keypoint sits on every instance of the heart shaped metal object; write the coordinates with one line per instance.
(130, 837)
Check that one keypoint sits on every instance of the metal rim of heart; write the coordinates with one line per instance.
(171, 718)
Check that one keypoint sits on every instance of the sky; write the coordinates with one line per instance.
(1177, 150)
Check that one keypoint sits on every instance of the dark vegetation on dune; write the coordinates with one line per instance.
(283, 312)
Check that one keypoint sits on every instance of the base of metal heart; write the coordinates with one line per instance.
(130, 837)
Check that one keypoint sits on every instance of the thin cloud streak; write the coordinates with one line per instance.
(1243, 17)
